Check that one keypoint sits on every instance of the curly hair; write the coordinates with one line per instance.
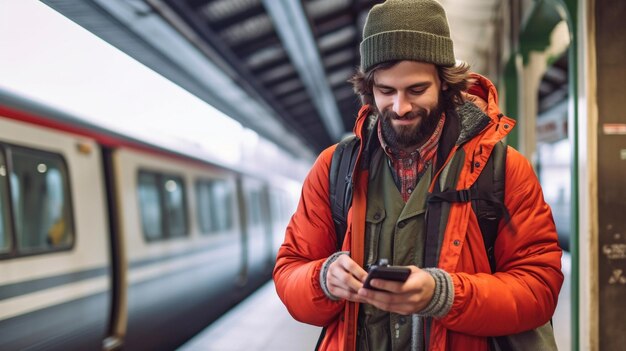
(456, 78)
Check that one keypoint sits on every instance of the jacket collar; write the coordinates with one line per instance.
(471, 119)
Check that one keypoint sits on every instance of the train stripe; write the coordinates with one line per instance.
(57, 295)
(22, 288)
(143, 271)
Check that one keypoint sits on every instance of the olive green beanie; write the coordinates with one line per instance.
(406, 30)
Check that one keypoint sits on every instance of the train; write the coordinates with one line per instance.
(108, 242)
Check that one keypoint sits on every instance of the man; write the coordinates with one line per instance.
(425, 123)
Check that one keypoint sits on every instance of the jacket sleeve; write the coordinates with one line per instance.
(523, 292)
(309, 240)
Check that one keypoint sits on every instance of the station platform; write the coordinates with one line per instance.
(261, 322)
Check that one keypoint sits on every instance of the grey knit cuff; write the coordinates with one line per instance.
(443, 297)
(332, 258)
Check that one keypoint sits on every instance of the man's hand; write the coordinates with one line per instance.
(344, 278)
(403, 298)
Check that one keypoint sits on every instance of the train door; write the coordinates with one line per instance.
(116, 328)
(281, 210)
(276, 220)
(256, 236)
(54, 259)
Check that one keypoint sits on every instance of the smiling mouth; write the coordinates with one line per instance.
(406, 119)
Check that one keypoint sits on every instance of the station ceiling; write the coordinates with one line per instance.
(280, 67)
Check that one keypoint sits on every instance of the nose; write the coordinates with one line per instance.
(401, 105)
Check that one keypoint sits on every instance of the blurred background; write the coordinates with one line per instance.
(148, 144)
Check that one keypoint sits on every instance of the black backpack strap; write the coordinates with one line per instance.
(341, 183)
(487, 197)
(489, 208)
(320, 339)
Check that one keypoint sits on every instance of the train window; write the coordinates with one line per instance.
(203, 202)
(5, 231)
(254, 207)
(215, 203)
(222, 200)
(287, 207)
(275, 206)
(41, 201)
(174, 191)
(162, 205)
(150, 206)
(281, 206)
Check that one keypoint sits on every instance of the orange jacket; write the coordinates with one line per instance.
(521, 295)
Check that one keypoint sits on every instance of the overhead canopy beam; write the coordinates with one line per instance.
(142, 33)
(293, 28)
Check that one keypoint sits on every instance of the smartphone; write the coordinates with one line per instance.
(387, 272)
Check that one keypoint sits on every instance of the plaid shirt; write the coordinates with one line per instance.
(408, 168)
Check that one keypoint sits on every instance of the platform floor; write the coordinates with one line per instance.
(261, 322)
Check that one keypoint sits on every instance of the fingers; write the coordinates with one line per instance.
(343, 293)
(344, 278)
(349, 265)
(412, 284)
(389, 285)
(409, 297)
(385, 301)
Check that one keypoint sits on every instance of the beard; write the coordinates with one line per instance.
(410, 136)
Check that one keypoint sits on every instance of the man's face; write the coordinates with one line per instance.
(408, 98)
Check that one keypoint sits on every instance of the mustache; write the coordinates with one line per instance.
(389, 114)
